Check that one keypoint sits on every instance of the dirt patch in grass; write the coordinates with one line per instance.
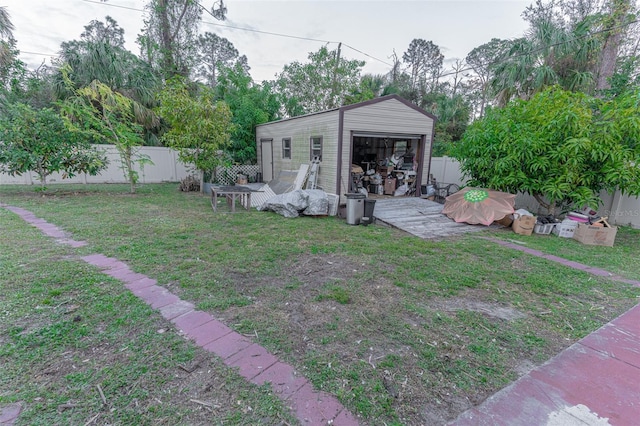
(386, 354)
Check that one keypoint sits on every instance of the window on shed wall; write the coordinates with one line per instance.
(286, 148)
(316, 147)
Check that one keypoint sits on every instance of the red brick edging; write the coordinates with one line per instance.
(253, 362)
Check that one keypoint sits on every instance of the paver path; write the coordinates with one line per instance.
(253, 362)
(594, 382)
(569, 263)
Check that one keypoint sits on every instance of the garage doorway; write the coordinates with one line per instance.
(382, 163)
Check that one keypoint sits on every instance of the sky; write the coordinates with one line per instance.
(370, 30)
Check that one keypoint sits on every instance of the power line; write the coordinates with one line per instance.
(113, 5)
(37, 53)
(257, 31)
(589, 35)
(233, 27)
(366, 54)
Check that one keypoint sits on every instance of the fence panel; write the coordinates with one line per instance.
(166, 167)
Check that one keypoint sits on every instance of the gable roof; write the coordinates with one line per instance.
(359, 105)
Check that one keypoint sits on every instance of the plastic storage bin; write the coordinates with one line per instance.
(544, 228)
(566, 228)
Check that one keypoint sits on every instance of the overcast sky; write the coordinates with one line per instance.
(373, 27)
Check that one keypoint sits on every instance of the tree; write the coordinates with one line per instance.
(110, 117)
(615, 26)
(215, 53)
(199, 127)
(100, 55)
(371, 86)
(576, 44)
(168, 40)
(425, 64)
(322, 83)
(6, 37)
(251, 104)
(483, 60)
(453, 113)
(549, 54)
(39, 141)
(560, 147)
(100, 32)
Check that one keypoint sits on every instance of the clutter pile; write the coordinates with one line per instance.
(295, 192)
(584, 226)
(308, 202)
(395, 175)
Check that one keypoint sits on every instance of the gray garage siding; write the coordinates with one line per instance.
(388, 116)
(300, 130)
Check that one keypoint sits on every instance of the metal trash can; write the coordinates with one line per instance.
(369, 205)
(355, 208)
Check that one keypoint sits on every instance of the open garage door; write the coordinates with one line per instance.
(384, 163)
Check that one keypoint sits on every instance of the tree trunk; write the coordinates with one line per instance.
(202, 181)
(42, 175)
(614, 27)
(165, 29)
(551, 207)
(131, 173)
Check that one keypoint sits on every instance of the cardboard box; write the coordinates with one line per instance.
(505, 221)
(524, 225)
(389, 186)
(595, 235)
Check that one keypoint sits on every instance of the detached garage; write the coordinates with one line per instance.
(378, 144)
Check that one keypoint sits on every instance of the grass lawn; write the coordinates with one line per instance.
(623, 258)
(401, 330)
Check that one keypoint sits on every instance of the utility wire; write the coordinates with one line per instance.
(254, 30)
(113, 5)
(592, 34)
(40, 54)
(366, 54)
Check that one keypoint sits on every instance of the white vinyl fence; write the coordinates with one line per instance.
(621, 210)
(166, 167)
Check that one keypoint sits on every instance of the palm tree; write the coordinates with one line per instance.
(549, 54)
(6, 32)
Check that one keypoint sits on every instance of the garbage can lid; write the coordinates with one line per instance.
(355, 195)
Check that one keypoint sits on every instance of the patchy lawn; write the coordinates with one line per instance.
(77, 348)
(402, 331)
(623, 258)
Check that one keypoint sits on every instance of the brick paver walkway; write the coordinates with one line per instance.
(253, 362)
(593, 382)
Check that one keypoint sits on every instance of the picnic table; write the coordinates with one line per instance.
(232, 194)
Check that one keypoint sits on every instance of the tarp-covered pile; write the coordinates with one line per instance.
(309, 202)
(478, 205)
